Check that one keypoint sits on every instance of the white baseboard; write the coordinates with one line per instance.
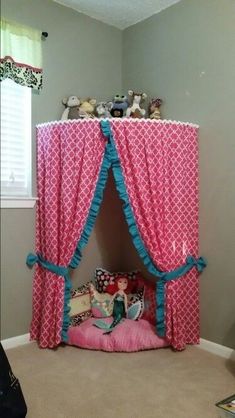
(214, 348)
(15, 341)
(218, 349)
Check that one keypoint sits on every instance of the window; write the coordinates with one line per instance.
(15, 140)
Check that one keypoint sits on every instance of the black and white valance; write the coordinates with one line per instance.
(21, 54)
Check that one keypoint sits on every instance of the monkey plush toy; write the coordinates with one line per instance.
(71, 110)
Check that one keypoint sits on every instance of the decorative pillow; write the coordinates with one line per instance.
(100, 303)
(135, 304)
(150, 305)
(80, 304)
(103, 277)
(134, 311)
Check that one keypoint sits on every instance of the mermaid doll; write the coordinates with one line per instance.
(119, 291)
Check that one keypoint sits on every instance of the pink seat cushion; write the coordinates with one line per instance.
(128, 336)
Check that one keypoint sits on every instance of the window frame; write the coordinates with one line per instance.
(18, 200)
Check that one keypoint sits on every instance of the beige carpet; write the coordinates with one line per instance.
(74, 383)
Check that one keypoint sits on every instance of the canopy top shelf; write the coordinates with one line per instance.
(119, 120)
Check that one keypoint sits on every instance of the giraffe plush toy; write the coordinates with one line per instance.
(134, 110)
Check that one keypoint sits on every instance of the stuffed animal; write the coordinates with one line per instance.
(154, 108)
(120, 104)
(103, 109)
(71, 110)
(87, 108)
(134, 110)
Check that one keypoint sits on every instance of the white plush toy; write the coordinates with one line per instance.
(103, 109)
(71, 110)
(134, 110)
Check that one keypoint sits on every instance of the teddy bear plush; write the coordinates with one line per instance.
(120, 104)
(71, 110)
(134, 110)
(154, 108)
(87, 108)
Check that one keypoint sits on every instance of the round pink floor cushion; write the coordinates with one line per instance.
(128, 336)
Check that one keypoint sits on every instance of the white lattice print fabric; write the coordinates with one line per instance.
(69, 157)
(160, 167)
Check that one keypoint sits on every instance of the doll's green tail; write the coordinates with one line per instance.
(108, 327)
(101, 324)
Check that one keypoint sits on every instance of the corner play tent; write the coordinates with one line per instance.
(155, 168)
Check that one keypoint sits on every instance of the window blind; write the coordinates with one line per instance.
(15, 140)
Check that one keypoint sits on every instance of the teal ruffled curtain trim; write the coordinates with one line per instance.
(60, 271)
(160, 309)
(66, 317)
(111, 159)
(94, 210)
(121, 188)
(163, 277)
(92, 215)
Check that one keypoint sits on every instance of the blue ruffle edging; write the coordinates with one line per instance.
(92, 215)
(163, 277)
(111, 159)
(93, 212)
(66, 317)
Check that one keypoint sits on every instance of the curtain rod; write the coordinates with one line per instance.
(45, 34)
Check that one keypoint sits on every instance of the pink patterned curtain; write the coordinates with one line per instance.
(159, 162)
(69, 157)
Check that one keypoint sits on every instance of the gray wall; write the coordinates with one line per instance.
(186, 55)
(77, 60)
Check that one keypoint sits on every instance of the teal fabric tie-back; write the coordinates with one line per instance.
(37, 258)
(190, 262)
(199, 263)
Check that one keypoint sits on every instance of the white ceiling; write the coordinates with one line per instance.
(119, 13)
